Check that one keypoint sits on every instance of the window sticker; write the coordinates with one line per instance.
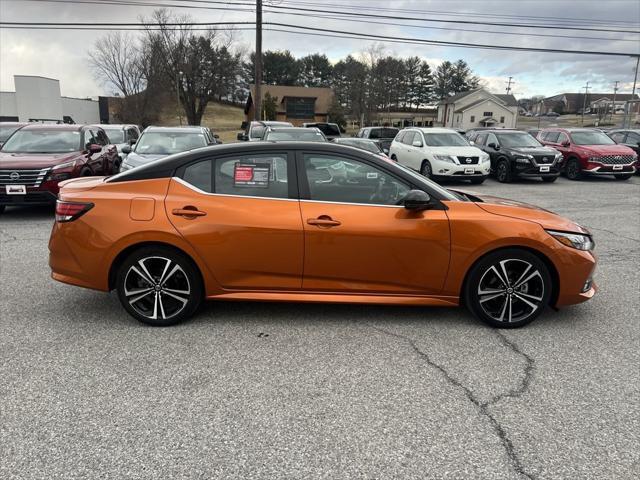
(251, 175)
(372, 174)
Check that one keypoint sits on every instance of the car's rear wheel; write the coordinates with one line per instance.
(426, 169)
(573, 169)
(503, 171)
(623, 177)
(549, 179)
(508, 288)
(159, 286)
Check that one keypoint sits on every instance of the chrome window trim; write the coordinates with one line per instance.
(196, 189)
(352, 203)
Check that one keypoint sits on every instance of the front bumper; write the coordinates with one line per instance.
(460, 171)
(610, 170)
(32, 197)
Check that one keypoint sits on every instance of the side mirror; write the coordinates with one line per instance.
(126, 149)
(132, 141)
(417, 200)
(94, 148)
(471, 142)
(417, 143)
(242, 137)
(494, 146)
(216, 136)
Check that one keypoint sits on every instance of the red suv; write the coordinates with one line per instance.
(36, 157)
(590, 152)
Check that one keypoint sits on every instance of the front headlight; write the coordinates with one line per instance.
(595, 159)
(445, 158)
(523, 160)
(70, 164)
(578, 241)
(484, 158)
(558, 156)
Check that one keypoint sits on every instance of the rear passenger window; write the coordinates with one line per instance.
(552, 137)
(253, 176)
(408, 138)
(399, 137)
(248, 175)
(199, 175)
(480, 139)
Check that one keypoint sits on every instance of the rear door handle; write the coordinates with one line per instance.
(188, 211)
(323, 221)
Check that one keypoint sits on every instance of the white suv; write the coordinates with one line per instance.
(440, 152)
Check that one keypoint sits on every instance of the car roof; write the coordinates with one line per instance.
(433, 130)
(13, 124)
(74, 127)
(187, 128)
(107, 126)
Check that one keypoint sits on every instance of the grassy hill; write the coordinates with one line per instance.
(223, 119)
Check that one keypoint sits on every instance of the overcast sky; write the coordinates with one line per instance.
(63, 54)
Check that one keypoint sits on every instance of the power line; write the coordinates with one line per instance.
(344, 13)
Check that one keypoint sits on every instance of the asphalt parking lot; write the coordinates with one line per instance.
(256, 390)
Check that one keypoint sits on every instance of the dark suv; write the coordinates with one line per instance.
(382, 135)
(37, 157)
(590, 152)
(518, 154)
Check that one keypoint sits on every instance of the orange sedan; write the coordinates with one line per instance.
(310, 222)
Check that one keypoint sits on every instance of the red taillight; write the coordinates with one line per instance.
(69, 211)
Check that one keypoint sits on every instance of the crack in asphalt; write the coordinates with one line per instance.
(616, 234)
(483, 407)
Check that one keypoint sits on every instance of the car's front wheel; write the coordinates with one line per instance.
(508, 288)
(426, 169)
(573, 169)
(159, 286)
(503, 172)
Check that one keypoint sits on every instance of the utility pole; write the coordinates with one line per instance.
(509, 85)
(584, 102)
(633, 93)
(178, 79)
(257, 101)
(615, 90)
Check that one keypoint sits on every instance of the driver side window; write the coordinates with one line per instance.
(339, 179)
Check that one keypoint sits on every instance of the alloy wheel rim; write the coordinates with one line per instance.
(157, 288)
(502, 171)
(426, 170)
(511, 290)
(573, 170)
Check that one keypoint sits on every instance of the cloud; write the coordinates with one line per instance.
(63, 54)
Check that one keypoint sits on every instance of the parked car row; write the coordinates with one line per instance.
(36, 157)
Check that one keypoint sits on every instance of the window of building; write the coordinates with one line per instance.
(300, 107)
(333, 178)
(487, 114)
(501, 119)
(473, 119)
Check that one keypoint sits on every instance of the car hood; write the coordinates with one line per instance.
(457, 151)
(34, 161)
(523, 211)
(135, 159)
(533, 150)
(604, 150)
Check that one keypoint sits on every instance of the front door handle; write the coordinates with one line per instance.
(188, 212)
(323, 221)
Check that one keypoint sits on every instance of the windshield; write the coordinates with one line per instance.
(383, 132)
(328, 129)
(116, 135)
(517, 140)
(43, 141)
(6, 131)
(168, 143)
(445, 140)
(367, 145)
(303, 135)
(591, 138)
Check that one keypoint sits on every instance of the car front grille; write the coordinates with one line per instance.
(544, 159)
(615, 159)
(463, 160)
(30, 178)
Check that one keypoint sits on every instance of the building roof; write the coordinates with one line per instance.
(593, 97)
(509, 100)
(323, 96)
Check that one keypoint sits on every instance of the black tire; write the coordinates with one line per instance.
(394, 158)
(116, 165)
(623, 177)
(573, 169)
(477, 180)
(426, 170)
(86, 172)
(159, 302)
(503, 171)
(549, 179)
(489, 299)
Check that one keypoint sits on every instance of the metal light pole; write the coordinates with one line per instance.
(584, 102)
(633, 92)
(178, 77)
(615, 91)
(257, 101)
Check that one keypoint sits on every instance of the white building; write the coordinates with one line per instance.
(478, 108)
(38, 99)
